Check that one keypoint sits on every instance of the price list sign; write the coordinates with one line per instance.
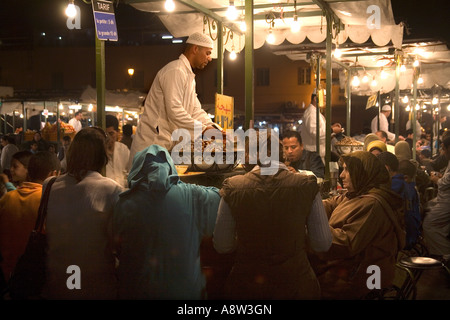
(224, 111)
(105, 20)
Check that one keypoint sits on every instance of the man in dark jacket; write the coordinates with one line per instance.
(296, 158)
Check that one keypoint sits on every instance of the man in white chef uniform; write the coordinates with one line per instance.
(172, 101)
(309, 128)
(384, 123)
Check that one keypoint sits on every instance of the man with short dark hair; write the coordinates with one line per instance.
(75, 122)
(297, 158)
(118, 153)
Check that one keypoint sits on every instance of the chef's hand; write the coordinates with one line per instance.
(224, 133)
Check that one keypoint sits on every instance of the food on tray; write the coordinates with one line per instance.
(348, 141)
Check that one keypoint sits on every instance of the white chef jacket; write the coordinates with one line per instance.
(418, 128)
(171, 104)
(116, 168)
(384, 126)
(309, 130)
(76, 124)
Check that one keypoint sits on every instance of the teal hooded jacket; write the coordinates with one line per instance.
(158, 226)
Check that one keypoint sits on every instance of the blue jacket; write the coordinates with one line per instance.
(411, 208)
(158, 227)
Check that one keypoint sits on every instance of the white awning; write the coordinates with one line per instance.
(130, 100)
(356, 18)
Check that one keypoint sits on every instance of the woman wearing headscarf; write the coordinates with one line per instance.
(366, 227)
(369, 138)
(403, 151)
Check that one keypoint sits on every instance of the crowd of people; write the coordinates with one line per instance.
(119, 213)
(141, 239)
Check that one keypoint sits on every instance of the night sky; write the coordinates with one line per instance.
(19, 19)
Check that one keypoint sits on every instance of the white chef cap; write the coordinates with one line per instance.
(200, 39)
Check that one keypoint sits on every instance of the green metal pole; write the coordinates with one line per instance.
(328, 97)
(100, 81)
(219, 58)
(317, 107)
(24, 112)
(249, 80)
(58, 127)
(413, 110)
(396, 113)
(349, 101)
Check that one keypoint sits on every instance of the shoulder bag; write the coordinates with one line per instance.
(28, 277)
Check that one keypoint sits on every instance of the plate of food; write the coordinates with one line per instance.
(348, 145)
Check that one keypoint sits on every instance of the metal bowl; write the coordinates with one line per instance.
(348, 148)
(199, 165)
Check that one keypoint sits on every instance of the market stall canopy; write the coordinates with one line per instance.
(6, 92)
(375, 66)
(32, 107)
(359, 21)
(432, 57)
(130, 99)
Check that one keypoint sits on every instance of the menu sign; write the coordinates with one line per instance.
(105, 20)
(224, 111)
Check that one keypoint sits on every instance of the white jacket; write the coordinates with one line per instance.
(309, 130)
(384, 126)
(171, 104)
(116, 167)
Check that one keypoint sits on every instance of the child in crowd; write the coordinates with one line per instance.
(19, 209)
(19, 167)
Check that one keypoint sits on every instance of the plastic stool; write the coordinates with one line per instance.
(414, 266)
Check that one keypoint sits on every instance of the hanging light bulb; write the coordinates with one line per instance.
(365, 79)
(169, 5)
(402, 68)
(416, 63)
(374, 83)
(270, 37)
(71, 11)
(383, 74)
(420, 80)
(295, 26)
(405, 99)
(355, 81)
(233, 54)
(243, 26)
(408, 108)
(337, 53)
(232, 13)
(435, 101)
(417, 107)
